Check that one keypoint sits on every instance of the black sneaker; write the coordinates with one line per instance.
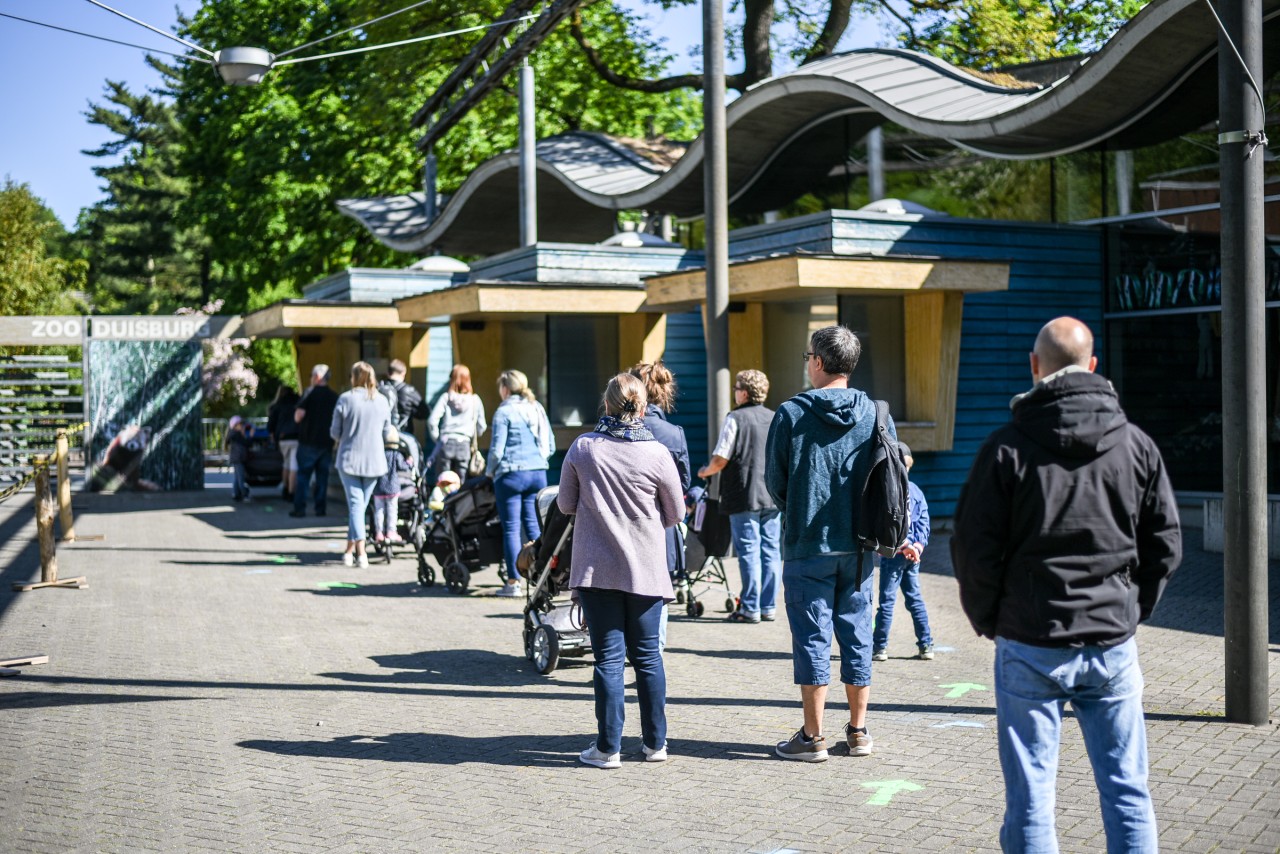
(803, 749)
(880, 655)
(859, 741)
(926, 652)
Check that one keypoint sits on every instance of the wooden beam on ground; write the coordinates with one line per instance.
(23, 662)
(80, 582)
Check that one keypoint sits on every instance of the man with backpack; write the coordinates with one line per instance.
(820, 451)
(405, 400)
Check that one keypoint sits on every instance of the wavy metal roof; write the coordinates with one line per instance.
(1154, 79)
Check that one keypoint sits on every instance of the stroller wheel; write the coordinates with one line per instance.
(457, 577)
(730, 605)
(426, 572)
(546, 649)
(696, 609)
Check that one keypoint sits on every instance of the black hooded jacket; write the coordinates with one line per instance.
(1066, 531)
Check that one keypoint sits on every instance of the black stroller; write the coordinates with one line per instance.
(704, 556)
(463, 537)
(553, 625)
(411, 510)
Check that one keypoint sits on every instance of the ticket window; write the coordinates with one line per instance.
(582, 356)
(880, 324)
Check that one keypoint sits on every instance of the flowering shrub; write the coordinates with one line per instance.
(227, 378)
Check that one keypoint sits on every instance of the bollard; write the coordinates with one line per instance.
(44, 524)
(64, 488)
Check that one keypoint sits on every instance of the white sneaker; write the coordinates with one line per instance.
(362, 560)
(348, 559)
(510, 591)
(593, 757)
(659, 755)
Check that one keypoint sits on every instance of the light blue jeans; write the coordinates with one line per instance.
(756, 538)
(1104, 686)
(359, 491)
(897, 572)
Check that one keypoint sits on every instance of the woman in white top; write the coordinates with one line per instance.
(361, 420)
(456, 421)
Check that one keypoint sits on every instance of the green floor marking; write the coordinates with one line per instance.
(886, 789)
(959, 689)
(339, 584)
(284, 559)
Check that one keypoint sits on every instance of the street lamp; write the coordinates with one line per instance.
(243, 66)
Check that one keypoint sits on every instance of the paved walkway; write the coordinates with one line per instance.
(208, 692)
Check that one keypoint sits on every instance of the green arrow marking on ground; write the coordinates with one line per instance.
(886, 789)
(959, 689)
(285, 559)
(340, 584)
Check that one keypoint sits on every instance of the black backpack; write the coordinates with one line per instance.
(388, 390)
(884, 521)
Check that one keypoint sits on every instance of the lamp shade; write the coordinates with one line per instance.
(243, 66)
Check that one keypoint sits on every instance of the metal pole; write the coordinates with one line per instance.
(875, 164)
(430, 177)
(1124, 183)
(716, 202)
(1244, 374)
(528, 161)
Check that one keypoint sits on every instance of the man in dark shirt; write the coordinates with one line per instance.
(739, 459)
(409, 404)
(315, 447)
(1066, 533)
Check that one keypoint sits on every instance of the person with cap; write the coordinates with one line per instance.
(447, 484)
(903, 570)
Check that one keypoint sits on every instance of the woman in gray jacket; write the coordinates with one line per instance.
(361, 419)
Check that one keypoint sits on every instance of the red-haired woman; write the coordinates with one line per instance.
(456, 422)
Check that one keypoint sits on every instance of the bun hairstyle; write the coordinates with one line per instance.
(659, 384)
(625, 398)
(363, 376)
(516, 382)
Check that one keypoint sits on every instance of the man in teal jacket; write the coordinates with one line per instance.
(816, 464)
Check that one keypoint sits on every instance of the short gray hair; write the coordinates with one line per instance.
(320, 372)
(838, 348)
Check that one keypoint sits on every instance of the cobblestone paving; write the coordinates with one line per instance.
(207, 693)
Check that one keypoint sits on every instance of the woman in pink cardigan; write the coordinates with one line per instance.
(624, 491)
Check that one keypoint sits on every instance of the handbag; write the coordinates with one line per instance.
(476, 462)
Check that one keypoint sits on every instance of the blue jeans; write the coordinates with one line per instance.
(756, 538)
(625, 625)
(517, 492)
(239, 483)
(895, 572)
(312, 460)
(824, 594)
(359, 491)
(1104, 685)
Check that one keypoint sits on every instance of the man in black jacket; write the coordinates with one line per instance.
(1065, 536)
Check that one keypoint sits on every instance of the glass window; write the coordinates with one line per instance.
(582, 355)
(880, 324)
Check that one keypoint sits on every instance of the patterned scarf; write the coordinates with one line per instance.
(632, 431)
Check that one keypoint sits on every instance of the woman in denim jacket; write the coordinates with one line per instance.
(521, 444)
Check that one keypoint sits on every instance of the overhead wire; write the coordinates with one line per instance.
(167, 35)
(405, 41)
(356, 27)
(104, 38)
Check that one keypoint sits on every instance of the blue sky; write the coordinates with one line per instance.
(50, 78)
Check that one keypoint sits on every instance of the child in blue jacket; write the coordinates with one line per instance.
(903, 570)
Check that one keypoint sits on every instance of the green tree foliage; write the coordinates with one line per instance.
(33, 279)
(141, 260)
(268, 162)
(990, 33)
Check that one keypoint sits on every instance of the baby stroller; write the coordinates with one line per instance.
(553, 625)
(704, 555)
(411, 508)
(463, 537)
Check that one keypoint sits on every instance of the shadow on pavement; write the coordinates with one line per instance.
(743, 654)
(464, 667)
(552, 751)
(399, 589)
(48, 700)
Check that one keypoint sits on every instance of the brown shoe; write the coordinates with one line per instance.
(860, 743)
(803, 749)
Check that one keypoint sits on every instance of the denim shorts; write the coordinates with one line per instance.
(824, 594)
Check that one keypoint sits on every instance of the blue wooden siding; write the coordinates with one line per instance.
(686, 357)
(1053, 270)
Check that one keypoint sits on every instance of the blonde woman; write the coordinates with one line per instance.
(361, 420)
(623, 490)
(455, 421)
(520, 448)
